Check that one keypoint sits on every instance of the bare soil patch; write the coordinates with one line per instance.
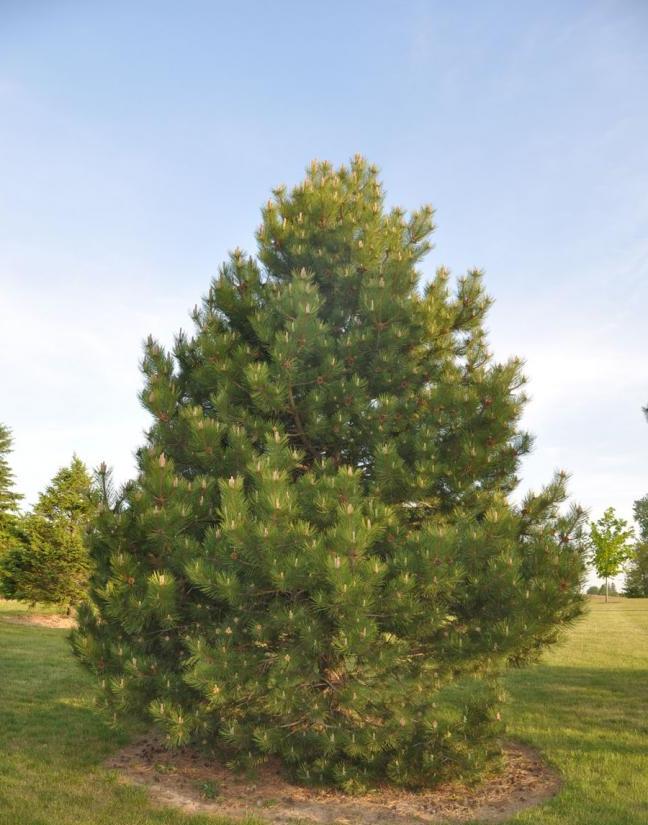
(41, 620)
(186, 779)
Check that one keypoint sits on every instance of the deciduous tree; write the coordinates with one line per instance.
(610, 545)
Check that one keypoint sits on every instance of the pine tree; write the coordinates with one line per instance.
(636, 581)
(9, 499)
(320, 559)
(52, 565)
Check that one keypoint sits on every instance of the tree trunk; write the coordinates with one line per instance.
(606, 589)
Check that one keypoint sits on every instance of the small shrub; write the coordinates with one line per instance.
(209, 789)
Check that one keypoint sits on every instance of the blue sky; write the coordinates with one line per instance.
(138, 141)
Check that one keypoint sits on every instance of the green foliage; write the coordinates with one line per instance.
(9, 499)
(610, 545)
(51, 564)
(636, 582)
(319, 559)
(209, 789)
(641, 517)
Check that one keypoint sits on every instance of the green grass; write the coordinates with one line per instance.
(53, 741)
(585, 707)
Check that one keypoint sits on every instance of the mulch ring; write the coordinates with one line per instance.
(41, 620)
(187, 780)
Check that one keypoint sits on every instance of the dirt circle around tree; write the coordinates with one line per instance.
(187, 780)
(41, 620)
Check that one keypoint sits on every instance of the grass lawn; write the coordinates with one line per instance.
(585, 707)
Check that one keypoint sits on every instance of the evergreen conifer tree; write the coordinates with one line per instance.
(9, 498)
(636, 581)
(320, 559)
(53, 564)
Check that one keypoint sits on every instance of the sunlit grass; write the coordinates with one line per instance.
(53, 741)
(585, 707)
(11, 608)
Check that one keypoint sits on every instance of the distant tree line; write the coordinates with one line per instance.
(615, 548)
(43, 553)
(599, 590)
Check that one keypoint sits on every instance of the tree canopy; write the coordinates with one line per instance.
(636, 582)
(610, 544)
(9, 498)
(52, 563)
(319, 558)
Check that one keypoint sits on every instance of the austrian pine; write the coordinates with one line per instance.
(320, 559)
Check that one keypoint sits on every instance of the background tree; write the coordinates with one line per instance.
(636, 583)
(52, 565)
(319, 559)
(9, 498)
(610, 545)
